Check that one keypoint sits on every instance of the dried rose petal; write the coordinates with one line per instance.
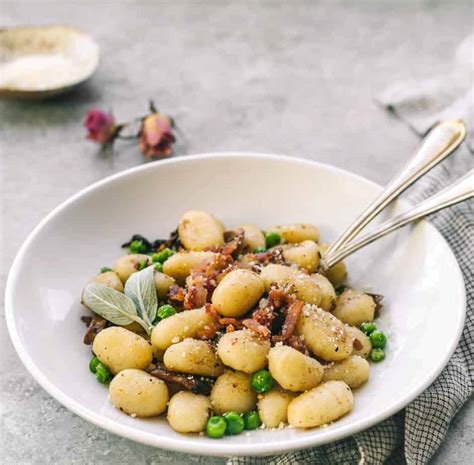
(156, 136)
(100, 126)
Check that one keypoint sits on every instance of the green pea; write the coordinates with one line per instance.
(162, 256)
(262, 381)
(165, 311)
(215, 427)
(105, 269)
(368, 327)
(252, 420)
(137, 247)
(260, 250)
(272, 239)
(378, 339)
(377, 355)
(235, 422)
(102, 373)
(159, 267)
(93, 364)
(142, 265)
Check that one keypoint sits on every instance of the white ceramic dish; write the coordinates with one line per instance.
(415, 269)
(42, 61)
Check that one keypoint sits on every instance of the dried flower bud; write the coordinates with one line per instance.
(156, 136)
(100, 126)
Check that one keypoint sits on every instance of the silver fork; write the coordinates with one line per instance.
(440, 142)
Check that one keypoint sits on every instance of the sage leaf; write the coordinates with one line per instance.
(110, 304)
(140, 288)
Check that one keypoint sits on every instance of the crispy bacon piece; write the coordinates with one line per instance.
(291, 318)
(278, 298)
(357, 344)
(95, 324)
(209, 274)
(264, 316)
(230, 321)
(274, 255)
(234, 244)
(256, 327)
(196, 295)
(196, 384)
(210, 330)
(297, 342)
(177, 293)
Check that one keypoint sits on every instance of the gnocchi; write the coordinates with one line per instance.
(138, 393)
(232, 392)
(354, 307)
(226, 330)
(188, 412)
(193, 357)
(273, 408)
(199, 230)
(237, 293)
(323, 404)
(243, 350)
(118, 349)
(293, 370)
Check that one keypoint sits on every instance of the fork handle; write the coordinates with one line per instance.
(459, 191)
(441, 141)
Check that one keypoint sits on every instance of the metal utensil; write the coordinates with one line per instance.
(440, 142)
(460, 190)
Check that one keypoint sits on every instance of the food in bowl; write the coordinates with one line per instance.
(229, 330)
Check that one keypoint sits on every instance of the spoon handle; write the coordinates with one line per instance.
(440, 142)
(460, 190)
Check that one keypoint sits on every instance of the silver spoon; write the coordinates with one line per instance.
(460, 190)
(440, 142)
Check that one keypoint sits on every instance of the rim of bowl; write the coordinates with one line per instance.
(181, 445)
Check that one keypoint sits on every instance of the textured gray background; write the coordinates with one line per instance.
(296, 78)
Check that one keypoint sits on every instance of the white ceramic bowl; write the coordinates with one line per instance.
(415, 270)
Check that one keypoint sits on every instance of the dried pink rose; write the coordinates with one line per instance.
(156, 136)
(100, 126)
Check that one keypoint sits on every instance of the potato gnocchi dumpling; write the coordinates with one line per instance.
(273, 407)
(293, 370)
(243, 351)
(109, 279)
(193, 357)
(228, 330)
(253, 237)
(128, 264)
(321, 405)
(325, 335)
(232, 392)
(175, 328)
(298, 283)
(139, 394)
(354, 371)
(180, 265)
(119, 348)
(237, 293)
(305, 255)
(298, 232)
(199, 230)
(188, 412)
(354, 307)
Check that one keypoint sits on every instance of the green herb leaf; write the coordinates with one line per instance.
(140, 288)
(110, 304)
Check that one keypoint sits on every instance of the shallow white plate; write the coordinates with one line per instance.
(42, 61)
(415, 270)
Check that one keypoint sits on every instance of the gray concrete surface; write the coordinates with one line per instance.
(296, 78)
